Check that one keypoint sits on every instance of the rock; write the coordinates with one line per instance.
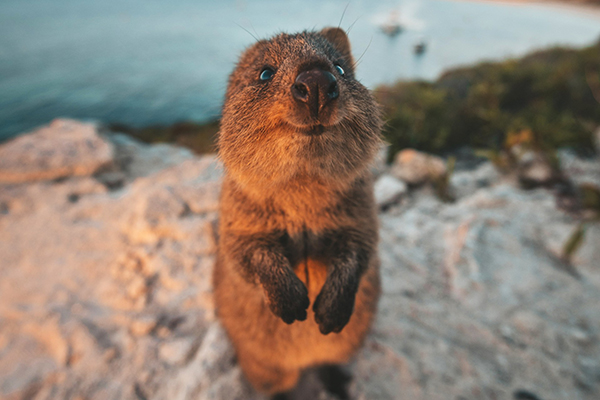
(27, 376)
(137, 159)
(533, 169)
(388, 190)
(63, 148)
(596, 140)
(211, 367)
(176, 351)
(123, 271)
(465, 183)
(579, 170)
(107, 293)
(464, 276)
(49, 334)
(414, 167)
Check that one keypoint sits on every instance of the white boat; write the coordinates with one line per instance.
(392, 27)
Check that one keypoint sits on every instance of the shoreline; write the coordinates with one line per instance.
(586, 9)
(132, 107)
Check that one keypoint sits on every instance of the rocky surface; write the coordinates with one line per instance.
(466, 182)
(105, 289)
(389, 190)
(415, 168)
(64, 148)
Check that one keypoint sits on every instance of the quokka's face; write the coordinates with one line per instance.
(293, 105)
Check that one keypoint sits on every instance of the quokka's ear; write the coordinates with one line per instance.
(340, 41)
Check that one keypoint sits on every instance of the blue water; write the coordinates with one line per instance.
(143, 62)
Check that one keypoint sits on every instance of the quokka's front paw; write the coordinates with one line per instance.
(333, 306)
(288, 298)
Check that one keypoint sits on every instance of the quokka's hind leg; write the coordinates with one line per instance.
(283, 396)
(269, 379)
(331, 381)
(335, 379)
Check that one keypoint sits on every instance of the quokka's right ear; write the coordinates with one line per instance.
(340, 41)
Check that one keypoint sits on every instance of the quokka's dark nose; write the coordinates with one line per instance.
(316, 88)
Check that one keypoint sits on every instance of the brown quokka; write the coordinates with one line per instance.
(298, 223)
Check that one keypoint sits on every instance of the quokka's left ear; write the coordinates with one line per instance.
(340, 41)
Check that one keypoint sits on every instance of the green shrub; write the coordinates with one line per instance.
(554, 93)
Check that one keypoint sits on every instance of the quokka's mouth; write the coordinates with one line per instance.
(308, 130)
(314, 130)
(311, 130)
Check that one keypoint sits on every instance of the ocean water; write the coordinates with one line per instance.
(143, 62)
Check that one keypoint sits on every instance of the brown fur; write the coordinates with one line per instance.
(298, 223)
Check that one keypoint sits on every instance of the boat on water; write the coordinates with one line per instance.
(420, 47)
(392, 27)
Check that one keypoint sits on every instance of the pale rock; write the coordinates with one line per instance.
(27, 376)
(471, 264)
(475, 301)
(86, 269)
(83, 347)
(63, 148)
(580, 170)
(200, 198)
(48, 333)
(414, 167)
(176, 351)
(528, 323)
(465, 183)
(533, 169)
(388, 190)
(213, 360)
(138, 159)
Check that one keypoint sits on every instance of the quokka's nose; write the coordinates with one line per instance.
(316, 88)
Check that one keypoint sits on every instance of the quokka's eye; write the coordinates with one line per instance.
(339, 69)
(266, 74)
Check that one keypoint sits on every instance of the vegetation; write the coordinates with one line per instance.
(553, 94)
(200, 138)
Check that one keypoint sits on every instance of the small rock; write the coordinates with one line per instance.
(465, 183)
(142, 326)
(534, 170)
(580, 336)
(414, 167)
(579, 170)
(388, 190)
(176, 351)
(63, 148)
